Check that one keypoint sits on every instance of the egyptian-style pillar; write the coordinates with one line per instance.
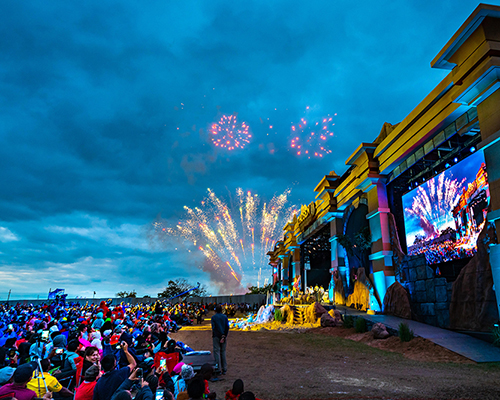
(295, 259)
(381, 251)
(337, 258)
(489, 123)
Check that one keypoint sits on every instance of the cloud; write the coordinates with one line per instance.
(7, 236)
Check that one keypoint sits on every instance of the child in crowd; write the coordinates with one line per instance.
(234, 393)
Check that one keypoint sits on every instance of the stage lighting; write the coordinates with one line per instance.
(455, 160)
(447, 165)
(472, 149)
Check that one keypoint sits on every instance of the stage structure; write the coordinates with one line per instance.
(423, 193)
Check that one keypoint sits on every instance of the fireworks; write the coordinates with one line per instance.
(310, 137)
(228, 133)
(233, 239)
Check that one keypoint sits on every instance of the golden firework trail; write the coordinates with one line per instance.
(238, 235)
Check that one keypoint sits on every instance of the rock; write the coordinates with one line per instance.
(397, 301)
(327, 321)
(380, 331)
(337, 316)
(360, 298)
(313, 312)
(473, 302)
(339, 288)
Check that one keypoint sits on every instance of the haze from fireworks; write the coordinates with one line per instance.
(228, 133)
(309, 138)
(234, 239)
(433, 203)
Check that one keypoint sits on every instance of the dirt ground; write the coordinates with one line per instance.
(337, 363)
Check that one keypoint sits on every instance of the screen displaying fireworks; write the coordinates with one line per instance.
(233, 237)
(444, 216)
(309, 137)
(230, 134)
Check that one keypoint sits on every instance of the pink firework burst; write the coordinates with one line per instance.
(230, 134)
(310, 137)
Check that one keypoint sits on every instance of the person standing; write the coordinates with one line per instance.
(220, 330)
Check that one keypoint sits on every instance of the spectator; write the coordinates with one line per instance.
(37, 384)
(220, 330)
(6, 375)
(86, 389)
(113, 378)
(195, 389)
(22, 376)
(187, 373)
(123, 391)
(234, 393)
(247, 396)
(90, 357)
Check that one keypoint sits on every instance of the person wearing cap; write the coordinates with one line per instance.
(18, 389)
(38, 386)
(180, 386)
(6, 375)
(86, 389)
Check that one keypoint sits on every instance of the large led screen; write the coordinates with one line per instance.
(444, 216)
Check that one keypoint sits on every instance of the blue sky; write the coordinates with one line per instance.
(105, 108)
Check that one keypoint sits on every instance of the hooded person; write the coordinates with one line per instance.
(187, 373)
(6, 375)
(99, 321)
(96, 340)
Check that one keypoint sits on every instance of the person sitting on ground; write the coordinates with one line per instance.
(113, 378)
(234, 393)
(124, 390)
(18, 389)
(6, 375)
(206, 372)
(247, 396)
(187, 374)
(86, 389)
(37, 384)
(196, 389)
(172, 348)
(90, 357)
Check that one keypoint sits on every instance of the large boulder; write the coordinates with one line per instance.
(397, 301)
(379, 331)
(360, 297)
(473, 306)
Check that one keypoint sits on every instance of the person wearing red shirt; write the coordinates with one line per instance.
(86, 389)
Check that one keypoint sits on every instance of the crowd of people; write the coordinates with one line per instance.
(104, 352)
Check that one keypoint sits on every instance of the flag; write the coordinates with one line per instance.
(54, 293)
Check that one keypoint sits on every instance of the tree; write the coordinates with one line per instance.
(261, 290)
(180, 285)
(124, 294)
(358, 246)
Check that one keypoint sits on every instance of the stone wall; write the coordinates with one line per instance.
(430, 295)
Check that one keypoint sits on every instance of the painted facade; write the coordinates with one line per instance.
(462, 111)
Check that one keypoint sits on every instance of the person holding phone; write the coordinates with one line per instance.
(113, 378)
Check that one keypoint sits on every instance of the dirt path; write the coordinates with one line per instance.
(320, 364)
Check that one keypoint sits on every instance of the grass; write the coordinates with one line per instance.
(405, 333)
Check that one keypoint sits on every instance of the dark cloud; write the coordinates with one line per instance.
(106, 106)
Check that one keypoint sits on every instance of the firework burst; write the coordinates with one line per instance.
(309, 138)
(230, 134)
(235, 239)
